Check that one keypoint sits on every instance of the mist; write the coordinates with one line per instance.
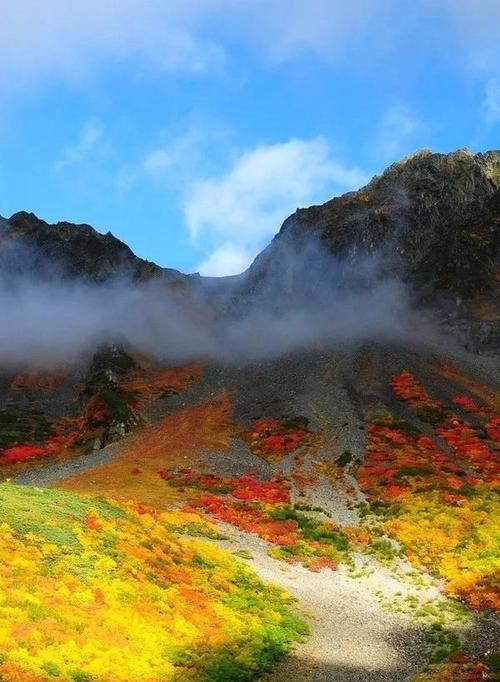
(294, 296)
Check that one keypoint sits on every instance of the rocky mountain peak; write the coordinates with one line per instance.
(66, 250)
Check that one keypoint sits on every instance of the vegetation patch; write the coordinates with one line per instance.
(273, 439)
(97, 591)
(22, 425)
(264, 508)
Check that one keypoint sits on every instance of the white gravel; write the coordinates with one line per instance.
(353, 638)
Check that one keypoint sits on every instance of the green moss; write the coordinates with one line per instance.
(412, 471)
(80, 676)
(51, 669)
(383, 550)
(492, 660)
(26, 511)
(431, 415)
(406, 428)
(345, 458)
(117, 402)
(22, 425)
(443, 643)
(289, 423)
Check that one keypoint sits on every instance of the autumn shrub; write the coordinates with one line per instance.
(456, 538)
(96, 591)
(273, 439)
(441, 504)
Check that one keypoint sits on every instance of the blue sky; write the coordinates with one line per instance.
(191, 129)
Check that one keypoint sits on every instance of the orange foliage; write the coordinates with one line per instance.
(151, 385)
(38, 380)
(168, 443)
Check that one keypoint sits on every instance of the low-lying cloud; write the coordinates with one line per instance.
(294, 297)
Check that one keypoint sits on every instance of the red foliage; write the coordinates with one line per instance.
(22, 453)
(399, 462)
(251, 520)
(478, 672)
(273, 439)
(246, 488)
(260, 507)
(25, 452)
(273, 491)
(407, 388)
(493, 429)
(463, 438)
(465, 403)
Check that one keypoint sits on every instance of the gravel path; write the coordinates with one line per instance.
(353, 639)
(53, 472)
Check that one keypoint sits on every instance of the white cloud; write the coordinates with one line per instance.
(178, 156)
(89, 139)
(173, 162)
(396, 132)
(57, 40)
(72, 40)
(285, 29)
(61, 40)
(491, 103)
(237, 213)
(228, 259)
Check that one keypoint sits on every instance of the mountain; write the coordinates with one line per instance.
(30, 246)
(350, 459)
(436, 214)
(434, 222)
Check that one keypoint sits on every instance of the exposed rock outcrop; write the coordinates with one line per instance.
(434, 222)
(29, 245)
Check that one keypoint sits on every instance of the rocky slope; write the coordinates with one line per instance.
(31, 246)
(432, 220)
(437, 215)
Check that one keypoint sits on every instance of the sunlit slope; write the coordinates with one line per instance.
(92, 591)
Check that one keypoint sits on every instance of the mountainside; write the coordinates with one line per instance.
(432, 220)
(319, 428)
(29, 246)
(436, 214)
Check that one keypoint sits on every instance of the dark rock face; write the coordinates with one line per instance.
(433, 220)
(436, 214)
(29, 245)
